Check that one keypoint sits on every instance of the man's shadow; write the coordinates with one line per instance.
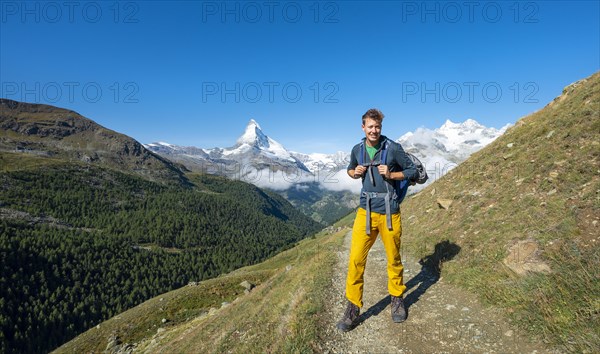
(431, 267)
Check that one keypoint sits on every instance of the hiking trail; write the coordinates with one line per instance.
(441, 317)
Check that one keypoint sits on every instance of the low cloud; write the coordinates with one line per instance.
(277, 180)
(280, 180)
(340, 181)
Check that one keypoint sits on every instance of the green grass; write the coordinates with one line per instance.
(10, 161)
(547, 191)
(282, 314)
(176, 307)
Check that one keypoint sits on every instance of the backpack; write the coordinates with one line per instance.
(401, 187)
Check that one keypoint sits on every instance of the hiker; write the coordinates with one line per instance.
(383, 166)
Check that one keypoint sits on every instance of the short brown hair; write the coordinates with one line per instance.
(374, 114)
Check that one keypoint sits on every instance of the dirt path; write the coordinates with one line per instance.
(441, 318)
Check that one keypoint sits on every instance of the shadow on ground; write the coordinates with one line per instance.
(431, 267)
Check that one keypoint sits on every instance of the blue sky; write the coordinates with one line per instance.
(194, 73)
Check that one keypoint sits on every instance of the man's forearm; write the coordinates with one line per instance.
(395, 175)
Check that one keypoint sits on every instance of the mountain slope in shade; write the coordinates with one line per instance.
(56, 132)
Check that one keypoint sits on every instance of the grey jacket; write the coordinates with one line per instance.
(396, 159)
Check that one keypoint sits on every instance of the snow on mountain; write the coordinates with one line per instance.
(453, 141)
(161, 143)
(253, 135)
(442, 149)
(182, 152)
(259, 159)
(329, 170)
(316, 162)
(255, 158)
(253, 144)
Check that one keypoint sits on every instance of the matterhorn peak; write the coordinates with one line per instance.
(253, 136)
(253, 123)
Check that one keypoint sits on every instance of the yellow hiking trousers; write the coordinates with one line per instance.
(361, 244)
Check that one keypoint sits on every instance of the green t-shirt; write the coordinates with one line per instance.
(371, 150)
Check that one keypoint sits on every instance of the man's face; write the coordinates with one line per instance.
(372, 130)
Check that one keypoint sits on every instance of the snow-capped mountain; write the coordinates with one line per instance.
(317, 183)
(442, 149)
(454, 141)
(317, 162)
(167, 149)
(261, 160)
(253, 153)
(439, 150)
(253, 147)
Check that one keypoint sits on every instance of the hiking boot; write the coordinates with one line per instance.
(350, 318)
(398, 310)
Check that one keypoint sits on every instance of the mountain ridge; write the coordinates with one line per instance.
(57, 132)
(442, 149)
(519, 188)
(445, 146)
(320, 187)
(253, 151)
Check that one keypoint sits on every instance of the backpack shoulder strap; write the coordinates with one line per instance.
(384, 150)
(361, 154)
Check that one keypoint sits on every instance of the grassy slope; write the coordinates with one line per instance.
(280, 314)
(545, 187)
(540, 181)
